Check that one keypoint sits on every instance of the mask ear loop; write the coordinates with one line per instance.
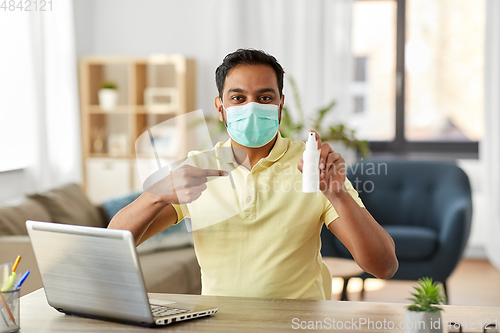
(223, 108)
(279, 114)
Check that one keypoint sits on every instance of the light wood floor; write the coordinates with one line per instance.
(474, 282)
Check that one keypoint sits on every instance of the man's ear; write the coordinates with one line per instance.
(218, 106)
(282, 102)
(282, 105)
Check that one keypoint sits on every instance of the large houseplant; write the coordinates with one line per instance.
(424, 314)
(339, 133)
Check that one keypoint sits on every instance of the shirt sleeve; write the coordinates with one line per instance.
(182, 212)
(330, 214)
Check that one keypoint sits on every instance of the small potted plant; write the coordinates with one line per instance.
(108, 96)
(424, 315)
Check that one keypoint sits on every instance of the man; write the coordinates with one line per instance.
(270, 247)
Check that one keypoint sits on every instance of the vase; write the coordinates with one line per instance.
(423, 322)
(107, 99)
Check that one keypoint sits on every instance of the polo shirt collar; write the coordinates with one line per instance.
(279, 149)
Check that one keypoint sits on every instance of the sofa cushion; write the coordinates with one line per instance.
(173, 237)
(175, 271)
(13, 218)
(114, 205)
(69, 205)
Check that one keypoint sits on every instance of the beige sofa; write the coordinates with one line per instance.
(166, 270)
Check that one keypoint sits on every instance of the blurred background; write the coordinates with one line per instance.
(416, 80)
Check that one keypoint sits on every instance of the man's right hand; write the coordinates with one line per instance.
(185, 184)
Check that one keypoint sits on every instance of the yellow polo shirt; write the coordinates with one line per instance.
(256, 234)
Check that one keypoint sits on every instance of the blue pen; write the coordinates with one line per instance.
(21, 281)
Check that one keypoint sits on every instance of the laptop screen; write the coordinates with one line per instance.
(90, 271)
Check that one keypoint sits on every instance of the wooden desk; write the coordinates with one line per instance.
(241, 315)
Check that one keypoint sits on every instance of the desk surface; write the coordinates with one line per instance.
(247, 315)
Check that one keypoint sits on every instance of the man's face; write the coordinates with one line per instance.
(250, 83)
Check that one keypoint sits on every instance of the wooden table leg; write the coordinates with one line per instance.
(343, 296)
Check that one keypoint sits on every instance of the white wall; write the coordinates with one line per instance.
(13, 184)
(310, 39)
(479, 228)
(127, 27)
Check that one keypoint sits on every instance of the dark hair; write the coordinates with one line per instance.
(247, 57)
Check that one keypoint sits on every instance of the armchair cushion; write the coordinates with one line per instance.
(432, 198)
(425, 206)
(413, 243)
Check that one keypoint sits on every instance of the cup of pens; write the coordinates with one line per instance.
(9, 296)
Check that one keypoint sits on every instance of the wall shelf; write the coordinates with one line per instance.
(109, 136)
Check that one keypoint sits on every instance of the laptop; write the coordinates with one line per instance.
(95, 273)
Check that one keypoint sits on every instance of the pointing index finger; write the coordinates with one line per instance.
(214, 173)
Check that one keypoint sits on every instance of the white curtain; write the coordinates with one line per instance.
(311, 40)
(490, 145)
(48, 130)
(16, 89)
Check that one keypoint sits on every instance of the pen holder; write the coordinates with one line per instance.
(9, 311)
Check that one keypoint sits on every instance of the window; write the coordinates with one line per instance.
(16, 90)
(374, 49)
(360, 85)
(418, 75)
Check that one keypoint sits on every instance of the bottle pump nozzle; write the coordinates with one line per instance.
(311, 142)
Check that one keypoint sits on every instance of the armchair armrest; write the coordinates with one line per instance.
(453, 234)
(456, 222)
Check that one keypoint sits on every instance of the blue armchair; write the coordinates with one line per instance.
(425, 206)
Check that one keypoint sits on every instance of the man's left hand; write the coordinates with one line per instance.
(331, 167)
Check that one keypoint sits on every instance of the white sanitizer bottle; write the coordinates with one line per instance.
(310, 168)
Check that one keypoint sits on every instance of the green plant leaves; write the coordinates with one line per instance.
(428, 295)
(109, 85)
(287, 127)
(293, 129)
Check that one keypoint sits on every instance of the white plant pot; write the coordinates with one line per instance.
(423, 322)
(107, 99)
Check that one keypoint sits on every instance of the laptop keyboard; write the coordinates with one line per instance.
(162, 311)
